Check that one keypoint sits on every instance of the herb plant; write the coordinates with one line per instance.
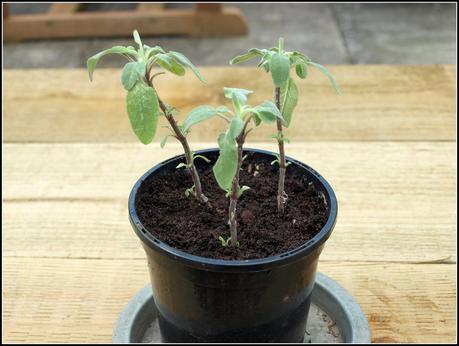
(279, 62)
(226, 169)
(144, 106)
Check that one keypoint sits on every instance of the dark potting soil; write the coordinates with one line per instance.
(185, 224)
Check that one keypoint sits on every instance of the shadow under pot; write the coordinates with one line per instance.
(202, 299)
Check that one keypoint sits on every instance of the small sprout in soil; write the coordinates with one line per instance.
(226, 242)
(226, 169)
(144, 106)
(279, 62)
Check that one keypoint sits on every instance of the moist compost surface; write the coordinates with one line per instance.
(185, 224)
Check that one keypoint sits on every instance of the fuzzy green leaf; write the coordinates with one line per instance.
(226, 166)
(325, 71)
(289, 99)
(235, 127)
(264, 62)
(170, 64)
(198, 115)
(132, 72)
(201, 157)
(301, 70)
(152, 51)
(267, 112)
(280, 67)
(238, 96)
(222, 109)
(137, 38)
(256, 119)
(298, 55)
(252, 53)
(241, 190)
(92, 61)
(143, 110)
(182, 59)
(243, 58)
(163, 141)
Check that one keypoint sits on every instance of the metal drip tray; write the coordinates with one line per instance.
(334, 317)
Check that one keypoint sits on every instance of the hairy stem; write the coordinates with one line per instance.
(235, 187)
(186, 148)
(281, 195)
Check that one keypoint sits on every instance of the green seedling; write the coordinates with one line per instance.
(279, 62)
(226, 169)
(144, 106)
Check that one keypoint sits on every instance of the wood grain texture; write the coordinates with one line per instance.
(59, 7)
(378, 103)
(228, 22)
(211, 7)
(387, 146)
(150, 6)
(78, 300)
(396, 200)
(101, 230)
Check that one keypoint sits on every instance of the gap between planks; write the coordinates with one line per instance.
(92, 230)
(378, 103)
(69, 200)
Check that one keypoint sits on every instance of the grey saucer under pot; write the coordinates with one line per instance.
(333, 304)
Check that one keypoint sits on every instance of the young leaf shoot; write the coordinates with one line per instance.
(144, 106)
(279, 62)
(226, 169)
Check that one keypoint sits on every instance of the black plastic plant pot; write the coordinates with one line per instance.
(211, 300)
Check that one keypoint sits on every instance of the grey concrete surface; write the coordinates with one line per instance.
(329, 33)
(394, 34)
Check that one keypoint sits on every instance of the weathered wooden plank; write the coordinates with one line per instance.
(150, 6)
(378, 103)
(211, 7)
(5, 10)
(396, 200)
(98, 229)
(59, 7)
(398, 171)
(229, 22)
(78, 300)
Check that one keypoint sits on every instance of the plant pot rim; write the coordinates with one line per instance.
(208, 263)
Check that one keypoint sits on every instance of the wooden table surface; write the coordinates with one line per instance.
(387, 146)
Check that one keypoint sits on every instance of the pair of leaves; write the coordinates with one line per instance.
(273, 60)
(182, 59)
(143, 110)
(301, 62)
(132, 72)
(93, 60)
(279, 62)
(174, 62)
(266, 112)
(226, 166)
(168, 63)
(152, 51)
(142, 101)
(200, 114)
(252, 53)
(237, 96)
